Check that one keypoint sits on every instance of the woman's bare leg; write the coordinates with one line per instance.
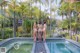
(44, 35)
(34, 36)
(39, 36)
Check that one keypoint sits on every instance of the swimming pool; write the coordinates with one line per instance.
(26, 45)
(17, 45)
(62, 46)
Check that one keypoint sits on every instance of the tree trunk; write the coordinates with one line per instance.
(14, 26)
(50, 19)
(14, 23)
(62, 20)
(31, 18)
(2, 30)
(76, 25)
(70, 24)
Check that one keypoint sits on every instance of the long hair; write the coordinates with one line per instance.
(40, 22)
(44, 22)
(35, 23)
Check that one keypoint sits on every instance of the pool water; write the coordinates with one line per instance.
(26, 48)
(53, 45)
(62, 47)
(19, 47)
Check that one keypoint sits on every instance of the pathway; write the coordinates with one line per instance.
(39, 47)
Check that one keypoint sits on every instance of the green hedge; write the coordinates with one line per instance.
(8, 32)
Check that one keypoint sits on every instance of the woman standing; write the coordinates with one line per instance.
(40, 28)
(34, 30)
(44, 30)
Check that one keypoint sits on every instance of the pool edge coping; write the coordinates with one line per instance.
(33, 48)
(46, 47)
(74, 42)
(5, 40)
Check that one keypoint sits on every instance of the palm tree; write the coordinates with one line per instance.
(77, 9)
(67, 8)
(63, 10)
(22, 9)
(52, 8)
(3, 4)
(51, 2)
(12, 5)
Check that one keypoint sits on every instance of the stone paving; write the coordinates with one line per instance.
(39, 47)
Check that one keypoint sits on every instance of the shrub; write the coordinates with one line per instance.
(8, 32)
(20, 29)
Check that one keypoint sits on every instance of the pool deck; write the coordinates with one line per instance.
(40, 48)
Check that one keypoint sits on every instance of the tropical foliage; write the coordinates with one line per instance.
(71, 13)
(28, 11)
